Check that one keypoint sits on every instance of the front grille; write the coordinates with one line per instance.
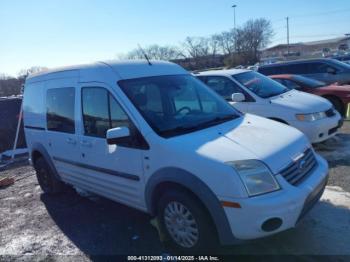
(299, 170)
(331, 112)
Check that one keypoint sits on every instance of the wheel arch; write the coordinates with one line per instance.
(330, 97)
(183, 180)
(38, 150)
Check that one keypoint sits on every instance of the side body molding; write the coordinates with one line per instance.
(201, 190)
(41, 149)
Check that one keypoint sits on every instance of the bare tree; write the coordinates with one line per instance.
(156, 52)
(226, 42)
(196, 47)
(4, 76)
(214, 45)
(253, 36)
(32, 70)
(135, 54)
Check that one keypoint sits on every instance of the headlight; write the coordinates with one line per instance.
(311, 117)
(256, 177)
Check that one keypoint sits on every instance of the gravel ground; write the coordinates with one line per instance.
(37, 226)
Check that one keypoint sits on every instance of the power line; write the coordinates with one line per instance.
(312, 15)
(318, 24)
(309, 36)
(323, 13)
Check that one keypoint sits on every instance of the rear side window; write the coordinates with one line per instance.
(295, 69)
(284, 69)
(60, 103)
(319, 68)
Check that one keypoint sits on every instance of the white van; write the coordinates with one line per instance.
(251, 92)
(155, 138)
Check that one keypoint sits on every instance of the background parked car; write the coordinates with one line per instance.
(326, 70)
(251, 92)
(344, 58)
(339, 96)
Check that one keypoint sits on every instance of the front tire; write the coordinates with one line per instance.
(338, 105)
(186, 223)
(47, 180)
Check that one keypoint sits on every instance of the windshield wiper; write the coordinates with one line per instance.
(189, 129)
(218, 120)
(178, 130)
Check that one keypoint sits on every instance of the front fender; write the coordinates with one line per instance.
(197, 187)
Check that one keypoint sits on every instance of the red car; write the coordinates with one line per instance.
(338, 95)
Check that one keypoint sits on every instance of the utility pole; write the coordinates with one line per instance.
(234, 16)
(234, 25)
(287, 18)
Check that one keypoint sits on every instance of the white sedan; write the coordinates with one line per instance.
(251, 92)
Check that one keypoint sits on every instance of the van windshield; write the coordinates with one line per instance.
(177, 104)
(260, 85)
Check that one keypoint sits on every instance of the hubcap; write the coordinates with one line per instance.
(181, 224)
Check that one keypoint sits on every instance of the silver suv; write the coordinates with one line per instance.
(325, 70)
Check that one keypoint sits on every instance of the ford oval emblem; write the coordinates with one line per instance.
(302, 165)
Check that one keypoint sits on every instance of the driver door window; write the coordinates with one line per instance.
(223, 86)
(101, 112)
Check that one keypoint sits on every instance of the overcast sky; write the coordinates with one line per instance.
(62, 32)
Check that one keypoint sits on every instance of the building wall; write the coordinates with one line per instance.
(304, 49)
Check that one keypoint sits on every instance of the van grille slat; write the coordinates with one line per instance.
(296, 172)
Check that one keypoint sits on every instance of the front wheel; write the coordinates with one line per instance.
(186, 223)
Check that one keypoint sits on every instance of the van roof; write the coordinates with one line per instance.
(122, 69)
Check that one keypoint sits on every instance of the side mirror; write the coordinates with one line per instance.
(238, 97)
(117, 135)
(331, 71)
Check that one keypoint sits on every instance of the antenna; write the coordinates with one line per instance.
(145, 55)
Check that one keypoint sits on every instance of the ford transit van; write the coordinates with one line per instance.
(155, 138)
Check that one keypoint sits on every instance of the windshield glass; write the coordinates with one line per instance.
(309, 82)
(178, 104)
(260, 85)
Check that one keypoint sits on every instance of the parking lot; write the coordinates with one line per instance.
(35, 224)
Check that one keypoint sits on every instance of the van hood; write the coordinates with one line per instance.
(301, 102)
(249, 137)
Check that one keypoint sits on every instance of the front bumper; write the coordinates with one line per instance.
(319, 130)
(289, 205)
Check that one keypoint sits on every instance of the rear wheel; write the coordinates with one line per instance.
(185, 223)
(47, 180)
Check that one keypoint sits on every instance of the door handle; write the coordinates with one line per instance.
(71, 141)
(86, 143)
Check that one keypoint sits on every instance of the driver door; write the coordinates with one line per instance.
(114, 171)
